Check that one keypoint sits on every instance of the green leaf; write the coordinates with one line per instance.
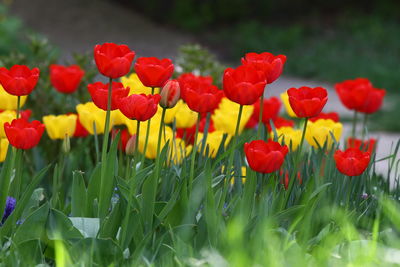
(89, 227)
(34, 226)
(78, 195)
(60, 227)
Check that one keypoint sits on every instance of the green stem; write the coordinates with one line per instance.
(205, 133)
(230, 161)
(260, 116)
(18, 106)
(96, 142)
(364, 127)
(103, 205)
(295, 165)
(146, 141)
(353, 131)
(160, 131)
(193, 155)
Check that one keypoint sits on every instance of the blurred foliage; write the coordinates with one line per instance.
(351, 47)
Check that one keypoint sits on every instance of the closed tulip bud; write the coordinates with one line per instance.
(130, 147)
(66, 146)
(170, 94)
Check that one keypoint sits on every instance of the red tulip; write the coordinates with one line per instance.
(139, 107)
(326, 116)
(368, 145)
(373, 101)
(113, 60)
(271, 110)
(99, 94)
(244, 85)
(307, 102)
(202, 97)
(352, 161)
(23, 134)
(170, 94)
(189, 77)
(80, 131)
(270, 65)
(280, 122)
(265, 157)
(19, 80)
(154, 72)
(66, 79)
(353, 93)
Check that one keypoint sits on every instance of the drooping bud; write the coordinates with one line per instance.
(130, 147)
(170, 94)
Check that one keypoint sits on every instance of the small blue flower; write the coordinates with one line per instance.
(10, 206)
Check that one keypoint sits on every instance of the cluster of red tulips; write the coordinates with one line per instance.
(244, 85)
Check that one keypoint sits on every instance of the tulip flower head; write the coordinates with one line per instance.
(9, 102)
(201, 97)
(170, 94)
(135, 85)
(265, 157)
(307, 102)
(3, 148)
(213, 142)
(271, 110)
(80, 131)
(61, 126)
(225, 116)
(66, 79)
(367, 145)
(182, 114)
(154, 72)
(113, 60)
(6, 116)
(288, 136)
(244, 85)
(270, 65)
(326, 116)
(288, 108)
(19, 80)
(23, 134)
(320, 132)
(139, 107)
(190, 78)
(99, 94)
(352, 161)
(280, 122)
(90, 116)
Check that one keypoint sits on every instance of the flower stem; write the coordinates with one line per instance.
(160, 131)
(103, 204)
(260, 117)
(146, 140)
(296, 163)
(353, 131)
(18, 105)
(193, 155)
(364, 127)
(205, 133)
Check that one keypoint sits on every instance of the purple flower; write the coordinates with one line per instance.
(10, 206)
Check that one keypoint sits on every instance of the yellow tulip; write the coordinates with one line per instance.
(8, 101)
(321, 131)
(151, 151)
(289, 137)
(6, 116)
(136, 86)
(3, 149)
(154, 124)
(285, 100)
(184, 116)
(58, 127)
(179, 150)
(213, 142)
(226, 115)
(117, 118)
(90, 115)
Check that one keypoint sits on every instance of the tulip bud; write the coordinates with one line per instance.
(170, 94)
(66, 146)
(130, 147)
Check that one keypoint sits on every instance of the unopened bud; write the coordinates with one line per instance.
(130, 147)
(66, 145)
(170, 94)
